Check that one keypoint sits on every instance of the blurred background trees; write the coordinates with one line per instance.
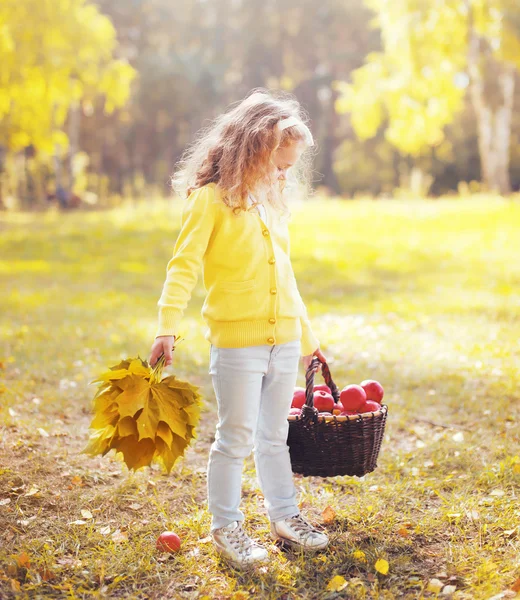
(99, 99)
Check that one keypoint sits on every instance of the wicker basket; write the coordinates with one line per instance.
(333, 445)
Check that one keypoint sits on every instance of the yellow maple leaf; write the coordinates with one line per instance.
(99, 441)
(134, 396)
(126, 426)
(107, 416)
(136, 453)
(382, 566)
(165, 433)
(337, 583)
(142, 416)
(359, 555)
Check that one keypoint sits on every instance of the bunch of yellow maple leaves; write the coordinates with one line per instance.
(144, 417)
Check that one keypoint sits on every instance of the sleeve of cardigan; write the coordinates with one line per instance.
(182, 270)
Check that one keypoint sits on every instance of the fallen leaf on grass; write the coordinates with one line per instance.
(328, 515)
(5, 501)
(359, 555)
(46, 574)
(448, 589)
(516, 585)
(86, 514)
(22, 560)
(119, 536)
(69, 561)
(435, 586)
(206, 540)
(42, 432)
(381, 566)
(337, 583)
(33, 491)
(77, 522)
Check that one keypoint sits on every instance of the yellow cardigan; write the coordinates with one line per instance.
(252, 296)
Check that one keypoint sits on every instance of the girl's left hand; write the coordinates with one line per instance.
(308, 359)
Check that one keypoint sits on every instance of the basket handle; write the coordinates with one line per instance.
(309, 381)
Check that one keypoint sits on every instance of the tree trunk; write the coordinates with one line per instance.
(493, 123)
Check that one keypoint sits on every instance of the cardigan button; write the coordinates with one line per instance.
(272, 261)
(265, 232)
(270, 340)
(273, 291)
(272, 321)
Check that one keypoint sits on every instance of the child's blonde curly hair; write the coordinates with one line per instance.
(235, 150)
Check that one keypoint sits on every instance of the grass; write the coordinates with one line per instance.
(423, 296)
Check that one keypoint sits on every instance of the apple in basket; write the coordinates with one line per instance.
(323, 387)
(295, 411)
(373, 389)
(338, 408)
(370, 406)
(298, 397)
(352, 397)
(323, 402)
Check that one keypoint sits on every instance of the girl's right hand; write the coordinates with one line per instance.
(162, 344)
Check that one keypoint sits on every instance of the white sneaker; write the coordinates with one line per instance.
(233, 543)
(296, 533)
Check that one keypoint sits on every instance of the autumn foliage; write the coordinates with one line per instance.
(141, 416)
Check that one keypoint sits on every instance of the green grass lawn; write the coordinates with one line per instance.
(423, 296)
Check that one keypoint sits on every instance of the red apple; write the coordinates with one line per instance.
(322, 387)
(298, 397)
(373, 389)
(323, 402)
(295, 411)
(352, 397)
(369, 406)
(168, 541)
(348, 412)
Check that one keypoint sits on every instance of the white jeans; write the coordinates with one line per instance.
(254, 388)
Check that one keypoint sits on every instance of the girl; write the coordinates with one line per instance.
(234, 225)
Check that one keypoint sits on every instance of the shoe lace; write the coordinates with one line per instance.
(239, 539)
(301, 525)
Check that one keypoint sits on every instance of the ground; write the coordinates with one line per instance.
(422, 295)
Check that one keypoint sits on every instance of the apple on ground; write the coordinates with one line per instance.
(168, 541)
(373, 389)
(323, 402)
(370, 406)
(352, 397)
(298, 397)
(322, 387)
